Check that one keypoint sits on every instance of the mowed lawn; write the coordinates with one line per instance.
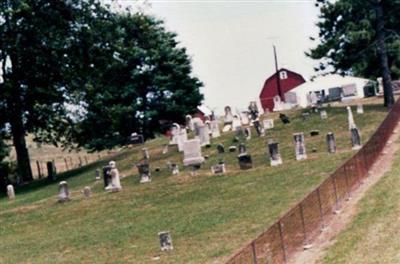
(374, 235)
(209, 216)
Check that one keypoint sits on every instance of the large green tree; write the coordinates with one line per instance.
(148, 81)
(38, 42)
(360, 37)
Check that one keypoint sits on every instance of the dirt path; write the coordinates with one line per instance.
(349, 208)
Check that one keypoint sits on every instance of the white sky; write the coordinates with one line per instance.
(230, 42)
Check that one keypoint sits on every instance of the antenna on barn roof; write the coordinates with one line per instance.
(278, 78)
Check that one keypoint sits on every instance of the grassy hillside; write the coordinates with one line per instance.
(209, 216)
(373, 236)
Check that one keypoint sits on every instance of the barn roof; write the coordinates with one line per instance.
(272, 76)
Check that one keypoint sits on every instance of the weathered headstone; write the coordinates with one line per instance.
(136, 138)
(146, 154)
(182, 137)
(203, 135)
(258, 127)
(323, 114)
(115, 185)
(275, 156)
(228, 119)
(247, 133)
(144, 172)
(331, 142)
(220, 148)
(106, 175)
(219, 168)
(300, 147)
(268, 123)
(97, 174)
(232, 148)
(305, 116)
(215, 129)
(87, 192)
(360, 109)
(192, 152)
(165, 241)
(10, 192)
(355, 138)
(242, 148)
(175, 129)
(165, 149)
(175, 169)
(245, 161)
(244, 119)
(189, 123)
(51, 171)
(350, 118)
(236, 124)
(284, 118)
(63, 192)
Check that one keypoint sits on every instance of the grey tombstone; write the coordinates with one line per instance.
(97, 174)
(182, 137)
(165, 149)
(220, 148)
(247, 133)
(87, 192)
(146, 154)
(355, 138)
(106, 175)
(245, 161)
(275, 156)
(136, 139)
(175, 129)
(192, 152)
(331, 142)
(244, 119)
(323, 114)
(203, 135)
(268, 123)
(189, 123)
(10, 192)
(232, 148)
(360, 109)
(242, 148)
(63, 192)
(300, 147)
(219, 168)
(175, 169)
(165, 241)
(305, 116)
(228, 119)
(144, 172)
(284, 118)
(115, 184)
(350, 118)
(257, 126)
(51, 171)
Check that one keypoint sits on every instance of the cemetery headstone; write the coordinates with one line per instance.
(106, 175)
(232, 148)
(165, 149)
(215, 129)
(115, 185)
(97, 174)
(165, 241)
(87, 192)
(247, 133)
(350, 118)
(242, 148)
(51, 171)
(355, 138)
(331, 142)
(136, 139)
(203, 135)
(63, 192)
(258, 127)
(182, 137)
(275, 156)
(300, 147)
(305, 116)
(175, 169)
(189, 123)
(228, 119)
(284, 118)
(192, 152)
(175, 129)
(314, 133)
(245, 161)
(360, 109)
(323, 114)
(144, 172)
(146, 154)
(237, 125)
(10, 192)
(244, 119)
(220, 148)
(268, 123)
(219, 168)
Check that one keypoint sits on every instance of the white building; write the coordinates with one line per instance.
(329, 88)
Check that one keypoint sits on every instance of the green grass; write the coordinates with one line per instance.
(373, 236)
(209, 216)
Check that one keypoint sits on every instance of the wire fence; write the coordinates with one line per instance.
(300, 225)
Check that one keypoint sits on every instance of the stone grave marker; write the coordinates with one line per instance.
(323, 114)
(275, 156)
(10, 192)
(115, 184)
(258, 127)
(242, 148)
(232, 148)
(247, 133)
(203, 135)
(228, 119)
(175, 169)
(244, 119)
(245, 161)
(165, 149)
(146, 154)
(268, 123)
(220, 148)
(350, 118)
(51, 171)
(284, 118)
(136, 139)
(175, 129)
(331, 142)
(360, 109)
(165, 241)
(355, 138)
(219, 168)
(87, 192)
(215, 129)
(63, 192)
(192, 152)
(97, 174)
(300, 147)
(144, 172)
(189, 123)
(305, 116)
(182, 137)
(106, 175)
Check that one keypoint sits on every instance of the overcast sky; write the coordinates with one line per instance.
(230, 42)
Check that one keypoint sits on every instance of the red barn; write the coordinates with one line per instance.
(288, 81)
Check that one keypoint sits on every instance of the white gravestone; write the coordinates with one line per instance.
(115, 184)
(323, 114)
(192, 152)
(174, 132)
(350, 118)
(189, 122)
(300, 147)
(360, 109)
(244, 117)
(10, 192)
(219, 168)
(63, 192)
(203, 135)
(165, 241)
(215, 129)
(278, 104)
(146, 154)
(87, 192)
(144, 172)
(182, 137)
(228, 119)
(268, 123)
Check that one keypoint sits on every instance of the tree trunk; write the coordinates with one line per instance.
(23, 161)
(388, 97)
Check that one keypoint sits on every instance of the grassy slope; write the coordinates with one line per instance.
(373, 236)
(209, 216)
